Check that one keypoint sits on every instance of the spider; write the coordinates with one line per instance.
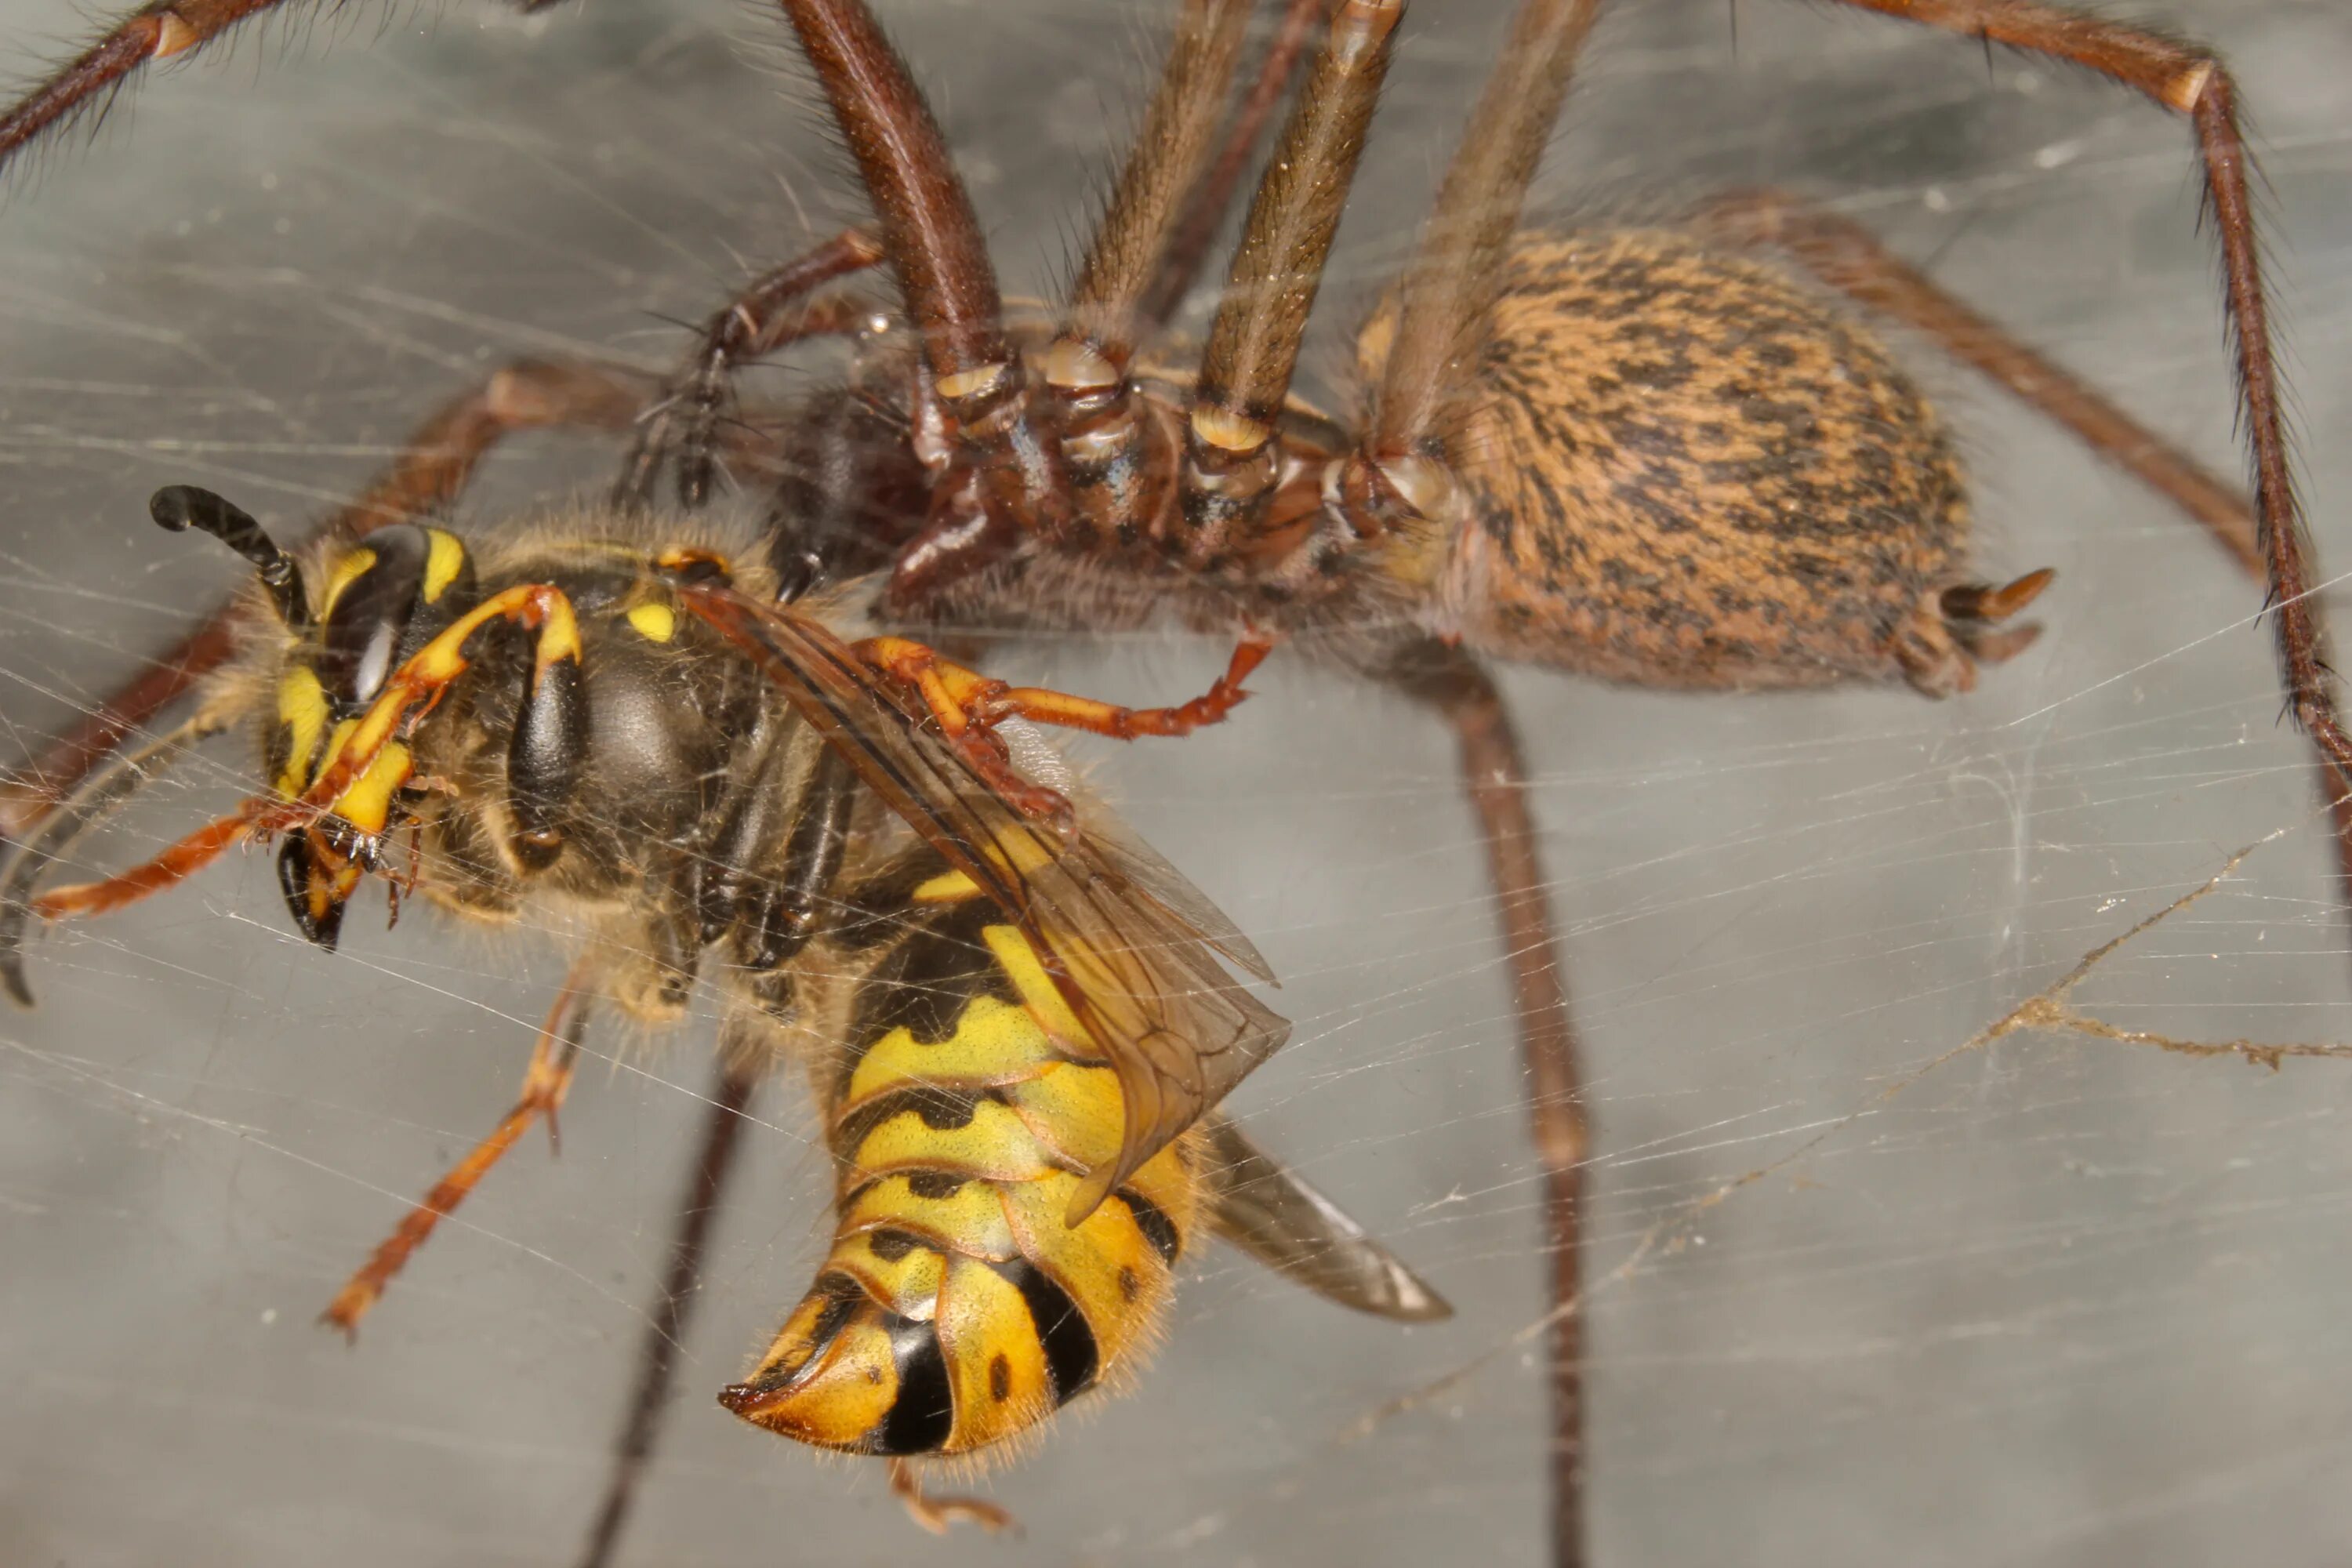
(1015, 526)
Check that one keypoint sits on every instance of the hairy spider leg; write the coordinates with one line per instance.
(1231, 454)
(666, 1325)
(2190, 80)
(757, 322)
(1495, 778)
(1849, 259)
(1204, 211)
(1006, 475)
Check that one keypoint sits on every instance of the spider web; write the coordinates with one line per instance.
(1877, 1276)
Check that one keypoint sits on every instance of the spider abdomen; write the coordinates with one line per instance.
(1686, 469)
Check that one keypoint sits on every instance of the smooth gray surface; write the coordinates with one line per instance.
(2057, 1301)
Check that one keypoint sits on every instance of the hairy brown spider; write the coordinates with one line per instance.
(1652, 455)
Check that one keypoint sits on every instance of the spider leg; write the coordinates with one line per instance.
(1106, 441)
(88, 82)
(1401, 474)
(431, 472)
(666, 1327)
(1232, 455)
(1449, 286)
(1849, 258)
(1494, 776)
(1205, 212)
(2190, 81)
(544, 1084)
(106, 791)
(752, 325)
(1006, 476)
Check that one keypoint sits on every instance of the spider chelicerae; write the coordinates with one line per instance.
(2022, 546)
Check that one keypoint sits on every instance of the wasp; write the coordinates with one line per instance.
(1013, 1013)
(1677, 457)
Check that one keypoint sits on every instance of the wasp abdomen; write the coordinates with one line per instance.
(956, 1308)
(1687, 469)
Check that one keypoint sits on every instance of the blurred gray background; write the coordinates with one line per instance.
(2057, 1301)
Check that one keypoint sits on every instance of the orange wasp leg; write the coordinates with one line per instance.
(962, 700)
(967, 706)
(936, 1514)
(352, 786)
(181, 861)
(544, 1084)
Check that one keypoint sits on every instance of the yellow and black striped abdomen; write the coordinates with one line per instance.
(956, 1309)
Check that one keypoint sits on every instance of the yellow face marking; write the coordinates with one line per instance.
(344, 572)
(444, 660)
(969, 1220)
(655, 623)
(994, 1146)
(947, 888)
(444, 559)
(367, 803)
(995, 1357)
(336, 743)
(993, 1043)
(302, 711)
(1039, 992)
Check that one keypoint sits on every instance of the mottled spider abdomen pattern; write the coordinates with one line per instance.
(1685, 469)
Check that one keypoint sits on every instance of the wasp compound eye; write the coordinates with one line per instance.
(369, 618)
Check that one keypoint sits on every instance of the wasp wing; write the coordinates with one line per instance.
(1128, 943)
(1269, 1212)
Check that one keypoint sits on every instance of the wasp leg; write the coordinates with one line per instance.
(1495, 775)
(962, 700)
(968, 705)
(356, 788)
(544, 1084)
(431, 472)
(665, 1326)
(181, 861)
(103, 793)
(936, 1514)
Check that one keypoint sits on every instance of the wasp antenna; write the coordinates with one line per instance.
(181, 507)
(107, 790)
